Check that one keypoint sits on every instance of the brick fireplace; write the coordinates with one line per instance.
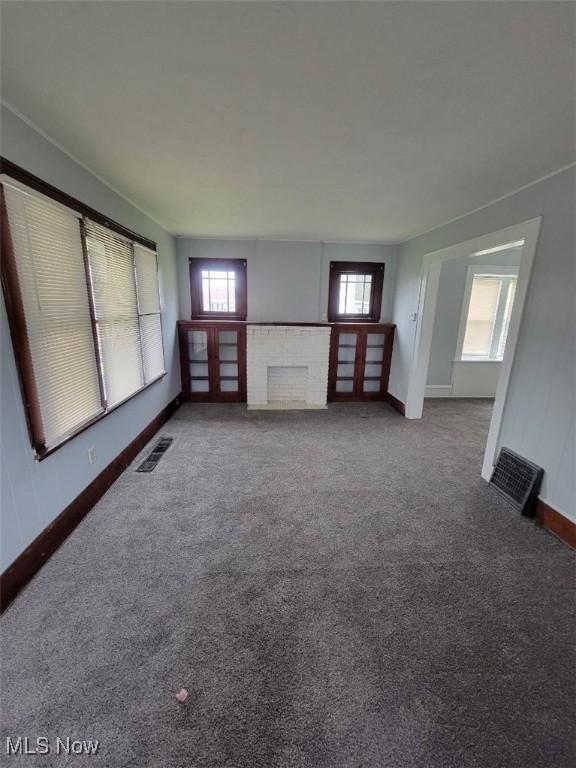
(287, 366)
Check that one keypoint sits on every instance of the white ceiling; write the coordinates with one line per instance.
(348, 120)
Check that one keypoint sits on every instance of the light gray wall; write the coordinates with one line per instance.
(33, 493)
(287, 281)
(540, 408)
(449, 308)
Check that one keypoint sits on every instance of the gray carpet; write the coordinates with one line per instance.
(335, 589)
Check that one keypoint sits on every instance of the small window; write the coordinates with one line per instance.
(218, 288)
(487, 310)
(355, 291)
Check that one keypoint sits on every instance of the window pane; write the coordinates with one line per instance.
(344, 385)
(218, 291)
(373, 369)
(199, 385)
(228, 353)
(205, 292)
(374, 354)
(198, 345)
(199, 369)
(229, 386)
(346, 354)
(354, 294)
(371, 386)
(345, 369)
(481, 316)
(342, 295)
(507, 316)
(228, 369)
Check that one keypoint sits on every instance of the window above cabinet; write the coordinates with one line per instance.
(218, 289)
(355, 291)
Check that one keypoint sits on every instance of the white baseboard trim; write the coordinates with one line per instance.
(438, 390)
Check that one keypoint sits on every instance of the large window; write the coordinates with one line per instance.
(84, 311)
(355, 291)
(218, 288)
(486, 313)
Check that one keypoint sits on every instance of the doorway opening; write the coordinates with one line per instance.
(465, 342)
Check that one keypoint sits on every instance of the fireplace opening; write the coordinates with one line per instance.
(287, 385)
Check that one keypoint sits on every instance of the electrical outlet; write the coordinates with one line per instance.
(92, 455)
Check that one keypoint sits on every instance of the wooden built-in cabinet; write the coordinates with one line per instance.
(213, 361)
(360, 355)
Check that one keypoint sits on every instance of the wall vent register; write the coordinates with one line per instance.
(151, 461)
(517, 480)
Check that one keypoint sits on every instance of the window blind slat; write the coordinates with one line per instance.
(48, 254)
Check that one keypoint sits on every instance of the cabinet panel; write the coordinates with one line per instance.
(231, 362)
(360, 362)
(213, 361)
(345, 353)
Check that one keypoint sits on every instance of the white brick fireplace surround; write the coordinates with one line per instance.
(287, 366)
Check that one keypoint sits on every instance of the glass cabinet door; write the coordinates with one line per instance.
(373, 362)
(228, 361)
(346, 362)
(198, 361)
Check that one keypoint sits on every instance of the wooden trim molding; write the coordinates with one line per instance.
(19, 333)
(398, 405)
(27, 565)
(337, 268)
(556, 523)
(239, 267)
(34, 182)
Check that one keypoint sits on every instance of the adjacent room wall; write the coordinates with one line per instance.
(287, 280)
(538, 419)
(449, 308)
(33, 493)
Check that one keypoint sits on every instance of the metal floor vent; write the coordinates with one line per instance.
(518, 480)
(150, 462)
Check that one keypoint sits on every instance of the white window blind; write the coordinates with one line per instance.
(488, 316)
(146, 269)
(84, 310)
(111, 259)
(47, 251)
(481, 316)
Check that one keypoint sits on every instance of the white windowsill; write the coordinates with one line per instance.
(477, 360)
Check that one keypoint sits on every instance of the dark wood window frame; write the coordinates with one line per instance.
(338, 268)
(238, 266)
(15, 306)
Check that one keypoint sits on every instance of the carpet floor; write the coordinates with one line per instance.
(335, 589)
